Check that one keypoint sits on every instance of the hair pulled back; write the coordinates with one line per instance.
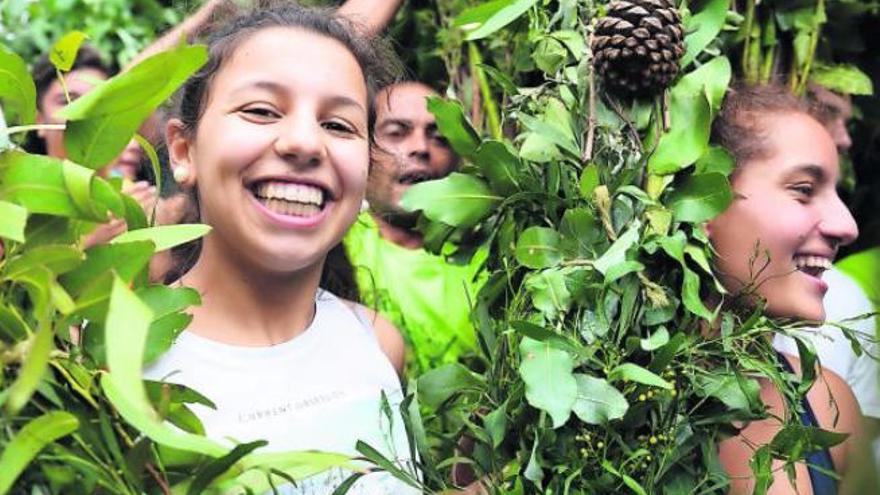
(376, 59)
(741, 126)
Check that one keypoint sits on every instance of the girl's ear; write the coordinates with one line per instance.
(179, 149)
(707, 229)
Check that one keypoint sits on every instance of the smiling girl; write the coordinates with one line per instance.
(774, 242)
(274, 135)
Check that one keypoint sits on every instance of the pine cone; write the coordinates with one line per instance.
(637, 46)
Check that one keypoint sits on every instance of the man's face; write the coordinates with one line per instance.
(835, 110)
(410, 149)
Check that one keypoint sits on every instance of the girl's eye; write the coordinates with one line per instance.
(803, 190)
(336, 126)
(260, 112)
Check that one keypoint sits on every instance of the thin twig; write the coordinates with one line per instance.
(166, 490)
(591, 113)
(634, 133)
(35, 127)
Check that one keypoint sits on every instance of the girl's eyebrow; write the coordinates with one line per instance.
(816, 172)
(281, 90)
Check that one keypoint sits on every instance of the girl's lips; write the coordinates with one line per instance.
(290, 221)
(816, 283)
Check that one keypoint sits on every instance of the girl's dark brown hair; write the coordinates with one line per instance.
(740, 127)
(379, 64)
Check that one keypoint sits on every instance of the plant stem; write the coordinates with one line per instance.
(747, 41)
(811, 53)
(489, 107)
(34, 127)
(591, 112)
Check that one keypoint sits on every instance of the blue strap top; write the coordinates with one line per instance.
(823, 484)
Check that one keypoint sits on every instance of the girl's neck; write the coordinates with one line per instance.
(245, 305)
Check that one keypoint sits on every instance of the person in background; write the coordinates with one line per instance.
(426, 296)
(87, 71)
(845, 299)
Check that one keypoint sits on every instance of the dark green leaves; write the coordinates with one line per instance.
(437, 385)
(103, 121)
(700, 197)
(453, 125)
(538, 247)
(459, 200)
(29, 441)
(17, 92)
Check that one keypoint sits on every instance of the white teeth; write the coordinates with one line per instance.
(299, 193)
(812, 262)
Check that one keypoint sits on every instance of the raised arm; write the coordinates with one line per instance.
(374, 15)
(187, 29)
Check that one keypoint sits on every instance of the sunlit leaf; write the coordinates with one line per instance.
(700, 198)
(164, 236)
(13, 219)
(539, 247)
(550, 384)
(843, 79)
(703, 27)
(598, 401)
(453, 125)
(63, 53)
(458, 200)
(17, 91)
(635, 373)
(492, 16)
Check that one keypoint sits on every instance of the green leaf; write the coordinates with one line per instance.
(17, 91)
(690, 295)
(164, 236)
(549, 55)
(545, 335)
(13, 219)
(216, 468)
(499, 164)
(439, 384)
(728, 389)
(700, 198)
(538, 247)
(459, 200)
(33, 369)
(616, 254)
(104, 120)
(47, 185)
(63, 52)
(657, 340)
(454, 126)
(491, 17)
(57, 258)
(588, 181)
(693, 100)
(126, 260)
(761, 464)
(796, 439)
(715, 160)
(598, 402)
(549, 293)
(12, 325)
(496, 425)
(29, 441)
(703, 28)
(635, 373)
(550, 384)
(126, 331)
(844, 79)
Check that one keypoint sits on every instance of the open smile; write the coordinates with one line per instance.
(291, 203)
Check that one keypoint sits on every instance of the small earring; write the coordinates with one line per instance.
(180, 174)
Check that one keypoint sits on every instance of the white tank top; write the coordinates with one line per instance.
(318, 391)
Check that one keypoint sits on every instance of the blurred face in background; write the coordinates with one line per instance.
(834, 111)
(79, 82)
(410, 150)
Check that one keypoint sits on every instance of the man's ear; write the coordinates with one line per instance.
(179, 150)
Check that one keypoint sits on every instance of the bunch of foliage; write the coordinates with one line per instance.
(77, 325)
(118, 28)
(611, 359)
